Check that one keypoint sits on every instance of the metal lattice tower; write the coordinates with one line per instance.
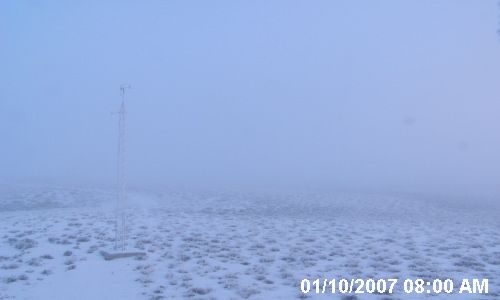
(121, 217)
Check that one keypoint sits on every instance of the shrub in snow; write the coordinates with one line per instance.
(22, 277)
(10, 266)
(83, 239)
(10, 279)
(69, 262)
(35, 261)
(23, 244)
(201, 291)
(246, 293)
(92, 249)
(46, 272)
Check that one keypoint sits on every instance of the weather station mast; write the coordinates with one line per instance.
(121, 217)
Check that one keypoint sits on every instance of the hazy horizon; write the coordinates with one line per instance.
(386, 95)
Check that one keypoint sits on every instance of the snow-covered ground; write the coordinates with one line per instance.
(234, 246)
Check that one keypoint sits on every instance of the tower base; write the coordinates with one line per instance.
(116, 255)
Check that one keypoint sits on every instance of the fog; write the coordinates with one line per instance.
(364, 95)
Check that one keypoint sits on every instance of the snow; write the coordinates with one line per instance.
(238, 246)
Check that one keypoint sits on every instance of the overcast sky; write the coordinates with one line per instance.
(364, 94)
